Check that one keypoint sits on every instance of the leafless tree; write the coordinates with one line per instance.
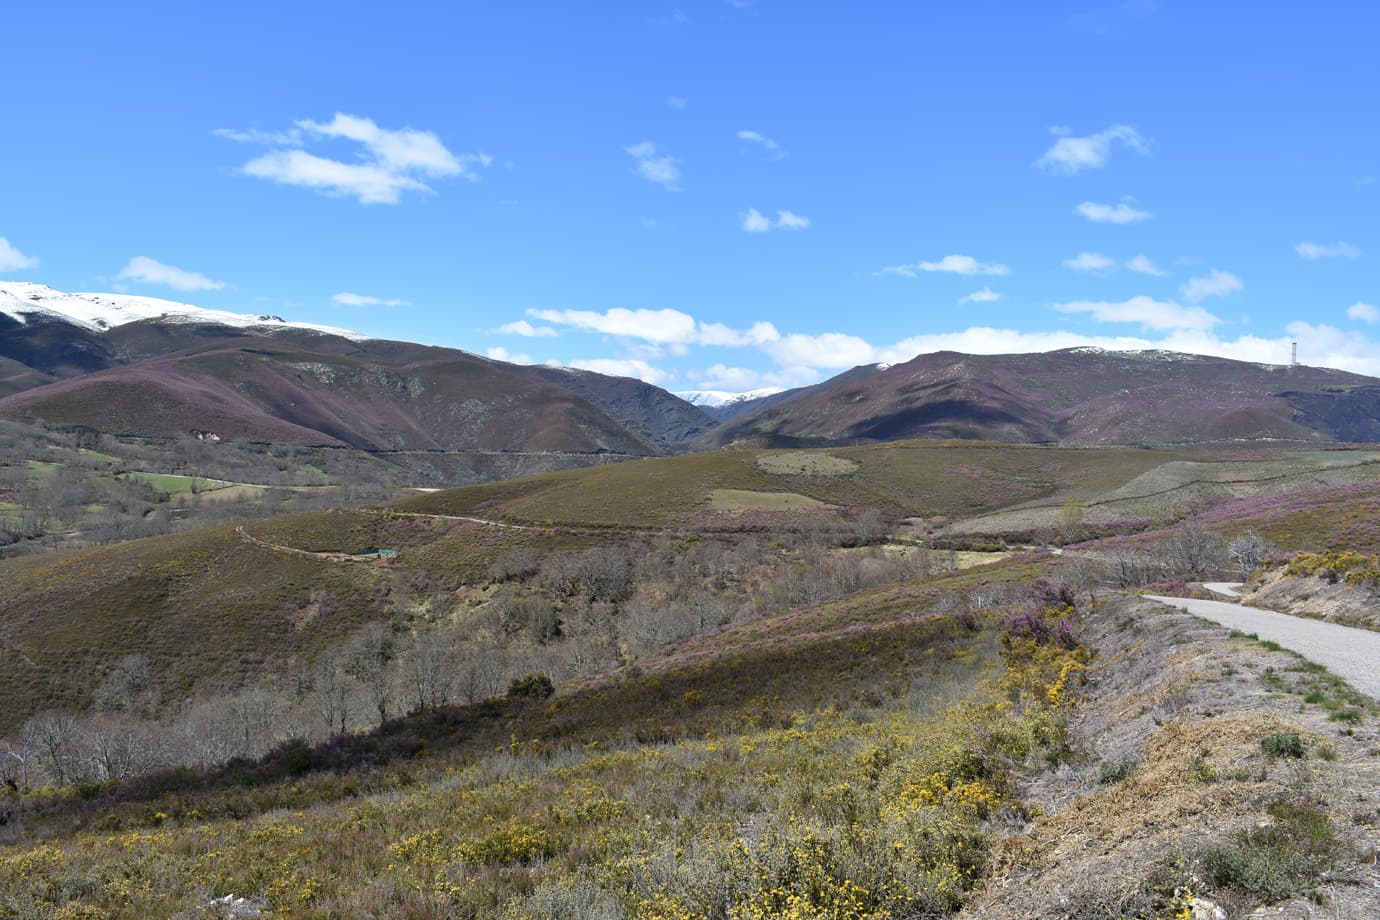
(333, 691)
(128, 687)
(1248, 551)
(428, 667)
(1195, 552)
(369, 660)
(51, 739)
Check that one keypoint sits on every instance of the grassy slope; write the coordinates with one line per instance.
(462, 802)
(901, 479)
(212, 610)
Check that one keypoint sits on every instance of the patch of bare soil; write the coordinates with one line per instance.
(1182, 751)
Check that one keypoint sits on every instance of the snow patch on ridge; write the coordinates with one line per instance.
(99, 312)
(717, 399)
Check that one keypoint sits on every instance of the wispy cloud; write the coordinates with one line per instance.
(759, 333)
(663, 170)
(1146, 312)
(756, 222)
(1105, 265)
(986, 295)
(1090, 262)
(761, 142)
(150, 271)
(345, 298)
(1214, 284)
(1144, 266)
(1071, 155)
(290, 138)
(677, 102)
(524, 328)
(661, 326)
(11, 259)
(1365, 312)
(1338, 250)
(390, 161)
(953, 264)
(1110, 213)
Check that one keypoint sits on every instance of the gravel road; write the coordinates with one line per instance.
(1353, 654)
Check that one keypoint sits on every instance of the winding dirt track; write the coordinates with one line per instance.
(1353, 654)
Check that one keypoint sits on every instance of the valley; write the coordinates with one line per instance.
(534, 643)
(775, 658)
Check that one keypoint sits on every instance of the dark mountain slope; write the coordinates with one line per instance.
(266, 390)
(1074, 396)
(662, 418)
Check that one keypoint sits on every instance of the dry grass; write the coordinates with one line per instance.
(735, 500)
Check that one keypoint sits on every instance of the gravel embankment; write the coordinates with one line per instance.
(1353, 654)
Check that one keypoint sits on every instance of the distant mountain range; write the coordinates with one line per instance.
(1074, 396)
(142, 367)
(147, 368)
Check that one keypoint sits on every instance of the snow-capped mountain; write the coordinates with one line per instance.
(99, 312)
(719, 399)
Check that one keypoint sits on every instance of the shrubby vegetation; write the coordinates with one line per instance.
(437, 640)
(885, 808)
(69, 488)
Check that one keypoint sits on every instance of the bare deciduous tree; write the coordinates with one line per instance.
(1248, 551)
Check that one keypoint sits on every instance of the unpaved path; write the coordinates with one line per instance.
(1353, 654)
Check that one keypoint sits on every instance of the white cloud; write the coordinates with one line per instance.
(761, 140)
(670, 328)
(830, 349)
(663, 170)
(291, 138)
(676, 102)
(345, 298)
(1214, 284)
(660, 326)
(956, 264)
(1102, 264)
(986, 295)
(756, 222)
(1144, 266)
(499, 353)
(624, 367)
(742, 379)
(11, 259)
(759, 333)
(524, 328)
(1090, 262)
(149, 271)
(391, 161)
(397, 151)
(1367, 313)
(1110, 213)
(1071, 155)
(369, 184)
(1339, 250)
(1147, 312)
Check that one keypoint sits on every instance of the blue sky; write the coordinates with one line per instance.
(717, 194)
